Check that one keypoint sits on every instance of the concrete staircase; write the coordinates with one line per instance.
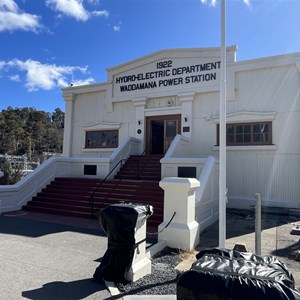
(145, 167)
(71, 196)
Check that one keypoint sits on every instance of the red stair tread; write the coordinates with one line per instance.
(71, 196)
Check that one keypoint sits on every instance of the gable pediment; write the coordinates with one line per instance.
(162, 71)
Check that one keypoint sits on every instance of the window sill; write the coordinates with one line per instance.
(98, 149)
(248, 148)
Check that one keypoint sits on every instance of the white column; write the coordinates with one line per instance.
(67, 147)
(140, 125)
(183, 231)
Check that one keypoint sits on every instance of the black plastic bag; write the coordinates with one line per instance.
(118, 222)
(220, 274)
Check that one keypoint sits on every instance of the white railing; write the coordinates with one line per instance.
(13, 197)
(195, 201)
(179, 155)
(206, 196)
(129, 146)
(180, 147)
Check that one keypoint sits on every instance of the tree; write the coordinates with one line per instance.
(31, 132)
(10, 175)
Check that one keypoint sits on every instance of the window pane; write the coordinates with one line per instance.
(170, 129)
(230, 129)
(111, 139)
(239, 138)
(261, 134)
(247, 129)
(247, 138)
(256, 128)
(266, 138)
(102, 139)
(256, 138)
(239, 129)
(230, 139)
(91, 139)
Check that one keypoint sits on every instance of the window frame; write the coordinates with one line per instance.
(243, 134)
(99, 136)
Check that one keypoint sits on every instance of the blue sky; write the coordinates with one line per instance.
(46, 45)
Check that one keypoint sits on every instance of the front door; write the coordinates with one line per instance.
(161, 130)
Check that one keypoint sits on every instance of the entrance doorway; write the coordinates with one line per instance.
(161, 130)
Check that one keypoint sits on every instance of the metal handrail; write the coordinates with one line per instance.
(91, 203)
(138, 160)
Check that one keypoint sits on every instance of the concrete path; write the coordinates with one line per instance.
(43, 260)
(51, 257)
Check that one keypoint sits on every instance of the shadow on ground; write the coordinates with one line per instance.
(59, 290)
(34, 228)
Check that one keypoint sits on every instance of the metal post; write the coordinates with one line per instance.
(257, 224)
(222, 142)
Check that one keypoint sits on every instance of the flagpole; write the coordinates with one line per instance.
(222, 135)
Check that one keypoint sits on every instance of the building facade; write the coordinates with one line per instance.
(176, 92)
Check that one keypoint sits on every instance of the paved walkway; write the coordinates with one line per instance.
(51, 257)
(43, 260)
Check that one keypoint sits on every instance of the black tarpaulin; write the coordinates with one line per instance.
(220, 274)
(118, 222)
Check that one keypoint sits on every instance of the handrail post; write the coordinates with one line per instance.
(138, 160)
(138, 169)
(257, 224)
(100, 184)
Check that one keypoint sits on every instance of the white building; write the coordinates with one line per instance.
(167, 103)
(176, 92)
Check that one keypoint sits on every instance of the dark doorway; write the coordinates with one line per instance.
(161, 130)
(157, 132)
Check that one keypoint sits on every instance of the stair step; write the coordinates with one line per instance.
(71, 196)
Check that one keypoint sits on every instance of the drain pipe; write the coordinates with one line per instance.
(257, 224)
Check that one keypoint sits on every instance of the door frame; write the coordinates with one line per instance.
(176, 117)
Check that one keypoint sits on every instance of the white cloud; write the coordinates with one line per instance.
(117, 28)
(95, 2)
(83, 82)
(99, 13)
(12, 18)
(15, 77)
(43, 76)
(210, 2)
(214, 2)
(74, 9)
(247, 2)
(8, 5)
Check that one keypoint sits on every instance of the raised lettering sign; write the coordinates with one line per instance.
(166, 74)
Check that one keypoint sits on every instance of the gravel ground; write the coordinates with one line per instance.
(161, 281)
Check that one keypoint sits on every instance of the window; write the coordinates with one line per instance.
(101, 139)
(240, 134)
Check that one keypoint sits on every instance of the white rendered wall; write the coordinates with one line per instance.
(257, 89)
(264, 94)
(89, 111)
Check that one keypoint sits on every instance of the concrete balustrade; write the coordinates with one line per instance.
(183, 231)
